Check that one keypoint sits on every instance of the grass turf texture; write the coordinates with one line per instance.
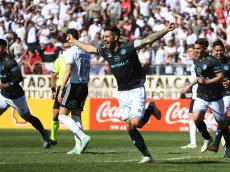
(21, 150)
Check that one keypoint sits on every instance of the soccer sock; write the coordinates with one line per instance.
(77, 120)
(218, 137)
(226, 136)
(192, 131)
(36, 123)
(203, 130)
(71, 125)
(147, 115)
(54, 129)
(210, 126)
(77, 145)
(138, 141)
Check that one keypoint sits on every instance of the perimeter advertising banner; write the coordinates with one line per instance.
(41, 108)
(105, 86)
(105, 115)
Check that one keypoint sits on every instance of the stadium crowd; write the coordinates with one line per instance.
(35, 29)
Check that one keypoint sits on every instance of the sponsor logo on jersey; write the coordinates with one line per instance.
(198, 70)
(117, 58)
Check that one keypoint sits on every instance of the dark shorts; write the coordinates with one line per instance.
(74, 96)
(191, 106)
(56, 103)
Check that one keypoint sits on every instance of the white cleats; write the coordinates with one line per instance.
(189, 146)
(146, 159)
(206, 144)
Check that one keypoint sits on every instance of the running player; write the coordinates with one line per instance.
(130, 77)
(192, 126)
(12, 93)
(58, 72)
(209, 93)
(219, 50)
(72, 96)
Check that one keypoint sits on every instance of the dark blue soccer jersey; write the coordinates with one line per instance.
(226, 70)
(208, 68)
(125, 65)
(10, 73)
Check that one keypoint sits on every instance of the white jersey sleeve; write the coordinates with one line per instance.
(80, 61)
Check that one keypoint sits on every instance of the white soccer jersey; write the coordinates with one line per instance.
(194, 88)
(80, 61)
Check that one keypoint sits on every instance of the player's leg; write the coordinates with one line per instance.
(54, 127)
(22, 108)
(55, 122)
(199, 108)
(151, 110)
(69, 103)
(218, 111)
(192, 128)
(137, 99)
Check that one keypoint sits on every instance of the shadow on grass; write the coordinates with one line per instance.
(103, 153)
(194, 162)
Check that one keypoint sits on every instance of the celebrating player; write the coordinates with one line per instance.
(130, 77)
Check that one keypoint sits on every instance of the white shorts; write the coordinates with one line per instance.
(132, 103)
(216, 107)
(226, 103)
(19, 104)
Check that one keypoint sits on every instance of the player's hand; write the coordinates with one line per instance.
(226, 83)
(171, 26)
(69, 38)
(60, 96)
(185, 89)
(201, 80)
(53, 96)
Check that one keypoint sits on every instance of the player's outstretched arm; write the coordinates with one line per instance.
(86, 47)
(154, 36)
(185, 89)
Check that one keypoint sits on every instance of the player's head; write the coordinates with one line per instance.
(218, 49)
(191, 52)
(201, 46)
(111, 36)
(65, 46)
(3, 46)
(73, 32)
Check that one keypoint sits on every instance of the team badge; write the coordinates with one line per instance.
(123, 51)
(226, 67)
(204, 66)
(117, 58)
(198, 70)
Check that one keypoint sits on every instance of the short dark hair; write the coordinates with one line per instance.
(73, 32)
(191, 46)
(202, 41)
(3, 42)
(218, 43)
(114, 30)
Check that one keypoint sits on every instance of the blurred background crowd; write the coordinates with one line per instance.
(35, 29)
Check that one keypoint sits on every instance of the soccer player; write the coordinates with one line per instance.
(58, 72)
(130, 77)
(219, 50)
(209, 93)
(192, 126)
(72, 96)
(12, 93)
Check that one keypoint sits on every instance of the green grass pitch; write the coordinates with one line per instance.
(21, 150)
